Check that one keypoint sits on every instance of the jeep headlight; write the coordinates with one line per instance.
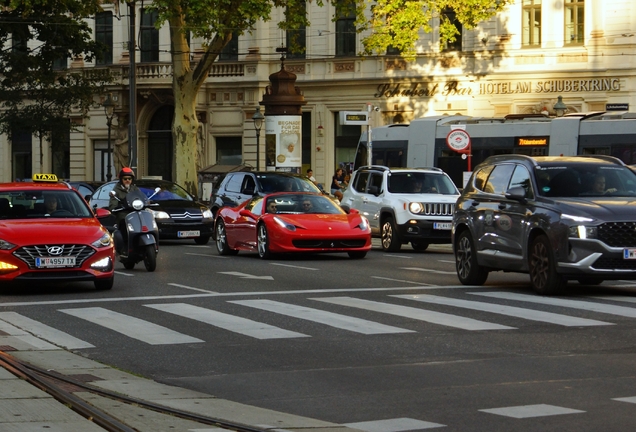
(416, 207)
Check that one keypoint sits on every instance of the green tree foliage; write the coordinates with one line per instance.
(35, 36)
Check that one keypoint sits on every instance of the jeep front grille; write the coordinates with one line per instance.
(79, 251)
(618, 234)
(438, 209)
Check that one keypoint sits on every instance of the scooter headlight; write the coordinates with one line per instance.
(138, 204)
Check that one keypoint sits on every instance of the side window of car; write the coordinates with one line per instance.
(249, 185)
(361, 180)
(499, 179)
(521, 177)
(375, 182)
(481, 176)
(234, 183)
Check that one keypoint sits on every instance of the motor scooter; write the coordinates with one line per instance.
(137, 236)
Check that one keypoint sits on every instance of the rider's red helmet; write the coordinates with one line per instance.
(126, 171)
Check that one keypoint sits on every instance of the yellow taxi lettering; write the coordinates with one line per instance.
(45, 177)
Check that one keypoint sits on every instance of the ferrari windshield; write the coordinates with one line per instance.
(302, 203)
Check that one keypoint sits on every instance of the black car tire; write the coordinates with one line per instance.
(104, 284)
(542, 268)
(389, 236)
(262, 242)
(468, 271)
(419, 246)
(221, 240)
(150, 258)
(357, 254)
(203, 240)
(128, 264)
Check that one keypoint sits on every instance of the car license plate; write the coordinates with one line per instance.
(629, 253)
(52, 262)
(188, 234)
(442, 225)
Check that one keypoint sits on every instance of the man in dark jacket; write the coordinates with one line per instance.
(122, 188)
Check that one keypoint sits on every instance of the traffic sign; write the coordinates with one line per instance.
(458, 140)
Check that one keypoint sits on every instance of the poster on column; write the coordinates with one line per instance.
(282, 137)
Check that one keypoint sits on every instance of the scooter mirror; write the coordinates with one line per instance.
(157, 189)
(111, 193)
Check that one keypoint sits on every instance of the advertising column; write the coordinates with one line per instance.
(283, 145)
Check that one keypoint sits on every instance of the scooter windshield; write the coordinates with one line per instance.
(136, 195)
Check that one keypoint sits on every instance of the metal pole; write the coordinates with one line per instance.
(132, 76)
(109, 175)
(258, 147)
(369, 141)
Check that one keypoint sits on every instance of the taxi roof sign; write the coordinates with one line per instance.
(45, 177)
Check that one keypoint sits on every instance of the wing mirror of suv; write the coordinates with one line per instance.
(374, 190)
(517, 193)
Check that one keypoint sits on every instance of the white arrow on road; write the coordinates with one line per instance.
(247, 276)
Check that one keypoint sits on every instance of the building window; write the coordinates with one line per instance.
(61, 152)
(104, 36)
(531, 33)
(574, 21)
(346, 33)
(229, 150)
(296, 40)
(230, 51)
(149, 35)
(450, 17)
(21, 154)
(19, 39)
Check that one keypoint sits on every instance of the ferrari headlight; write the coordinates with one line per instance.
(207, 213)
(5, 245)
(137, 204)
(416, 207)
(159, 214)
(104, 241)
(364, 224)
(284, 224)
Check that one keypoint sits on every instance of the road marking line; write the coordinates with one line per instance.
(630, 399)
(205, 255)
(192, 288)
(343, 322)
(121, 273)
(397, 256)
(293, 266)
(132, 327)
(517, 312)
(225, 321)
(414, 313)
(43, 331)
(527, 411)
(393, 425)
(404, 281)
(447, 261)
(247, 276)
(427, 270)
(569, 303)
(230, 294)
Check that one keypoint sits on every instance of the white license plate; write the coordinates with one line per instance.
(629, 253)
(442, 225)
(52, 262)
(187, 234)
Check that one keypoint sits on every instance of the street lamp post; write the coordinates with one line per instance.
(109, 110)
(559, 107)
(258, 118)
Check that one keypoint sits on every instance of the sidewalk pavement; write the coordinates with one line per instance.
(26, 408)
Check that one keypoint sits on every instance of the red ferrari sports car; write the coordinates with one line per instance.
(291, 222)
(48, 233)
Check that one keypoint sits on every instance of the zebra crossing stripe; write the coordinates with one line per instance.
(132, 327)
(414, 313)
(569, 303)
(43, 331)
(323, 317)
(393, 425)
(529, 314)
(225, 321)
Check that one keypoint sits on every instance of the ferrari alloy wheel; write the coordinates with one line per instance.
(221, 240)
(263, 242)
(542, 268)
(468, 271)
(389, 236)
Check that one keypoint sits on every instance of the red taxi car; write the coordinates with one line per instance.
(48, 233)
(287, 222)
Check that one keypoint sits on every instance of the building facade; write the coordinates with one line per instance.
(519, 62)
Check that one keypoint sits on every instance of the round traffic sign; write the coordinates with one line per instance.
(458, 140)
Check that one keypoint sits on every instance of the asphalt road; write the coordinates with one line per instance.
(392, 337)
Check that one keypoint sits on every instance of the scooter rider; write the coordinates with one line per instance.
(124, 186)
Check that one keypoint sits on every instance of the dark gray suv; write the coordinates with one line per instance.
(556, 218)
(237, 187)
